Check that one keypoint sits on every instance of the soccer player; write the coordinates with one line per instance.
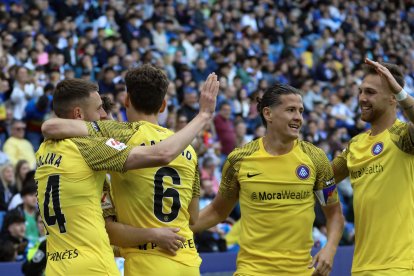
(123, 235)
(160, 196)
(380, 164)
(71, 174)
(275, 179)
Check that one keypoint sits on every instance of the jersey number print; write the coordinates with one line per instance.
(159, 194)
(53, 188)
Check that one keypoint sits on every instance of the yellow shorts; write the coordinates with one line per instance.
(385, 272)
(154, 265)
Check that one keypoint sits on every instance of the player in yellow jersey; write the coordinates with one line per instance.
(276, 179)
(123, 235)
(71, 174)
(380, 164)
(153, 197)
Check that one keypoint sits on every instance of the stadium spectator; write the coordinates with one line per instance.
(225, 129)
(36, 112)
(29, 210)
(24, 89)
(17, 147)
(13, 230)
(8, 252)
(8, 188)
(208, 172)
(28, 179)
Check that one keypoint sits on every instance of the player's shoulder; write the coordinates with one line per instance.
(399, 128)
(239, 153)
(308, 147)
(316, 154)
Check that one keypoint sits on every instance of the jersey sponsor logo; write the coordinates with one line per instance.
(63, 255)
(116, 144)
(106, 202)
(303, 172)
(285, 194)
(374, 168)
(95, 126)
(377, 148)
(249, 175)
(324, 196)
(184, 245)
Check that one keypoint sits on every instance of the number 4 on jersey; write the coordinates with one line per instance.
(53, 188)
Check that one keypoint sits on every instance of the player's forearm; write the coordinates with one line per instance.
(167, 150)
(334, 224)
(208, 218)
(193, 210)
(216, 212)
(123, 235)
(175, 144)
(408, 106)
(57, 128)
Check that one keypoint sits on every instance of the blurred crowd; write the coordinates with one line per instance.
(316, 46)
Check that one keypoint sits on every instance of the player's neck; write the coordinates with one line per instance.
(276, 146)
(138, 116)
(382, 123)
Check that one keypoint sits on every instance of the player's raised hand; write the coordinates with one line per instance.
(208, 95)
(323, 261)
(168, 239)
(385, 75)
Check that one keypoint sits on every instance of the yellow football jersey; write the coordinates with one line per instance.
(70, 175)
(154, 197)
(277, 197)
(381, 169)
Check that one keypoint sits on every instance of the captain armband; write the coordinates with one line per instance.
(327, 195)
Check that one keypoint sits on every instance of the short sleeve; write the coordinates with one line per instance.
(108, 128)
(324, 187)
(103, 154)
(400, 135)
(196, 183)
(339, 164)
(229, 186)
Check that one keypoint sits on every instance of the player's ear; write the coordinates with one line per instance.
(267, 114)
(393, 101)
(77, 113)
(163, 106)
(127, 102)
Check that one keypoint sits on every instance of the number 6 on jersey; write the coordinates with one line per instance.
(159, 194)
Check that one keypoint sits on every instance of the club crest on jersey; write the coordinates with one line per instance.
(377, 148)
(115, 144)
(303, 172)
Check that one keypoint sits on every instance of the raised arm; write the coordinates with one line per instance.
(167, 150)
